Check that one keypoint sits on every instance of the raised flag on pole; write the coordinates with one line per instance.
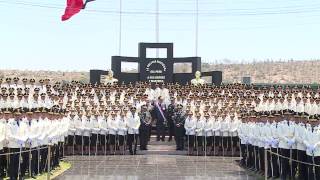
(73, 7)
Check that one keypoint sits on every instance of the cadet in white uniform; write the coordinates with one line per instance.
(71, 134)
(16, 141)
(86, 133)
(103, 126)
(190, 127)
(94, 133)
(122, 131)
(200, 133)
(208, 133)
(113, 129)
(78, 134)
(133, 130)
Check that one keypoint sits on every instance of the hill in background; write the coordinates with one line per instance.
(305, 72)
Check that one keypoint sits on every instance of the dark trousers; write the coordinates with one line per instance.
(144, 137)
(14, 163)
(3, 163)
(160, 131)
(43, 161)
(251, 162)
(200, 141)
(190, 139)
(25, 162)
(34, 161)
(171, 129)
(179, 137)
(132, 141)
(261, 160)
(243, 154)
(226, 143)
(57, 155)
(256, 160)
(120, 140)
(302, 168)
(285, 166)
(275, 163)
(209, 141)
(217, 142)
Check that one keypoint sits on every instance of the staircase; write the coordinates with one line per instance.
(161, 147)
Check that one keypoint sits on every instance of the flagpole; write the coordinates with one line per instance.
(197, 28)
(157, 26)
(120, 26)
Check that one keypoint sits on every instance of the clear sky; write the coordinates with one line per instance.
(33, 37)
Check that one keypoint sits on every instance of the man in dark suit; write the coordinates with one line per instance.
(161, 121)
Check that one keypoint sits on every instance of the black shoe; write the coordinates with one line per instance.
(162, 140)
(170, 139)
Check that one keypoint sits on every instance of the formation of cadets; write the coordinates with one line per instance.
(86, 119)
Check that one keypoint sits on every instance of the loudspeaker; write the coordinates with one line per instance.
(217, 77)
(95, 75)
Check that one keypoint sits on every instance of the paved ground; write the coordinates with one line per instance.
(160, 162)
(156, 167)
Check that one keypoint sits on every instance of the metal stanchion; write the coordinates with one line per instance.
(265, 164)
(222, 144)
(247, 158)
(313, 167)
(49, 159)
(38, 150)
(19, 166)
(196, 140)
(8, 162)
(239, 144)
(30, 157)
(74, 139)
(278, 160)
(205, 144)
(232, 150)
(90, 144)
(63, 149)
(97, 144)
(255, 158)
(214, 143)
(290, 162)
(82, 145)
(105, 144)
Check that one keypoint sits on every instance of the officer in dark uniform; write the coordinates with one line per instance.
(145, 119)
(170, 113)
(178, 120)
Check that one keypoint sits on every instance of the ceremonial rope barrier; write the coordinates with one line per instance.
(266, 151)
(48, 159)
(5, 154)
(290, 159)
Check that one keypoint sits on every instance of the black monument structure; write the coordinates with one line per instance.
(155, 70)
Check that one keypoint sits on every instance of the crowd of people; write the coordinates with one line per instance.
(86, 119)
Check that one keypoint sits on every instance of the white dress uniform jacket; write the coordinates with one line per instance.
(190, 125)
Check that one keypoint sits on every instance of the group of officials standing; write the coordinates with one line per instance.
(86, 119)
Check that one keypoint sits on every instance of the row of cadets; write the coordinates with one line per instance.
(293, 136)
